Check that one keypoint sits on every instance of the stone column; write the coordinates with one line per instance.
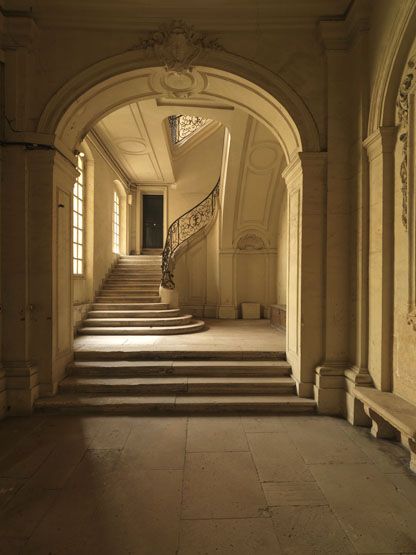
(20, 368)
(380, 149)
(339, 38)
(37, 287)
(306, 184)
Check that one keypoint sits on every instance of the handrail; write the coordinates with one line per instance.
(183, 228)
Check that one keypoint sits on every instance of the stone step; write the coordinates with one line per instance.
(183, 368)
(134, 313)
(140, 256)
(136, 274)
(192, 327)
(185, 356)
(133, 281)
(180, 404)
(137, 322)
(129, 290)
(127, 298)
(187, 385)
(115, 305)
(128, 293)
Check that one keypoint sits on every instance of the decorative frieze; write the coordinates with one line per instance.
(177, 45)
(403, 119)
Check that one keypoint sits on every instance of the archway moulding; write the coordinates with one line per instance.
(224, 77)
(387, 80)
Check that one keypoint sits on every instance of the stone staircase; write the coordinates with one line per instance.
(129, 303)
(182, 382)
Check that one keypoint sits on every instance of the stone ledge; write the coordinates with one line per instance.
(392, 417)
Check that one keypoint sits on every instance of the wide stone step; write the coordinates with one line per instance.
(115, 305)
(138, 322)
(180, 404)
(133, 313)
(128, 291)
(127, 298)
(187, 357)
(131, 291)
(186, 385)
(144, 330)
(194, 368)
(132, 281)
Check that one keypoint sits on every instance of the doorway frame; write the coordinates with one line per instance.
(150, 190)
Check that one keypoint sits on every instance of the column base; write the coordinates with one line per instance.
(329, 390)
(303, 389)
(355, 413)
(169, 296)
(22, 388)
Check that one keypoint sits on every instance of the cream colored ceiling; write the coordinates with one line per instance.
(136, 137)
(257, 201)
(212, 14)
(138, 142)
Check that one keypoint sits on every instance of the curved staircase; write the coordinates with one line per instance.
(129, 303)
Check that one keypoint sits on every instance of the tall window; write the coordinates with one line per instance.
(116, 223)
(78, 198)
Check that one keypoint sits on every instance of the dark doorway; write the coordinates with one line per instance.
(152, 221)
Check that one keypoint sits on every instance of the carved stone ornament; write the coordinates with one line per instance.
(250, 242)
(403, 117)
(177, 45)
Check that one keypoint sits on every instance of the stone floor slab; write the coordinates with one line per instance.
(293, 493)
(310, 531)
(247, 536)
(132, 512)
(277, 459)
(323, 440)
(207, 434)
(221, 485)
(157, 443)
(262, 424)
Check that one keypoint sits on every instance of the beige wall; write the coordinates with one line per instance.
(251, 202)
(101, 182)
(196, 173)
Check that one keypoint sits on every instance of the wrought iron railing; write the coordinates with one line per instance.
(183, 229)
(183, 127)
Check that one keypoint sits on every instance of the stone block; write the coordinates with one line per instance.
(250, 311)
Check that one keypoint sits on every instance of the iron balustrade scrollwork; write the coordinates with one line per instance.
(183, 229)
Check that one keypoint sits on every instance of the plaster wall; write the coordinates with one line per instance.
(252, 198)
(101, 182)
(196, 173)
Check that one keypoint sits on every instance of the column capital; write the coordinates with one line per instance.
(311, 163)
(380, 142)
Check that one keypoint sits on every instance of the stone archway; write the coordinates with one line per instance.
(223, 79)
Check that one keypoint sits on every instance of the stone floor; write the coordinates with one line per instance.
(249, 335)
(202, 485)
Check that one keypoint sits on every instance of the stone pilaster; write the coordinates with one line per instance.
(18, 364)
(380, 150)
(227, 309)
(306, 184)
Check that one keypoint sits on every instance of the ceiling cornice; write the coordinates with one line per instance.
(102, 148)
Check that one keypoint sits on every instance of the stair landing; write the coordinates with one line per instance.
(232, 367)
